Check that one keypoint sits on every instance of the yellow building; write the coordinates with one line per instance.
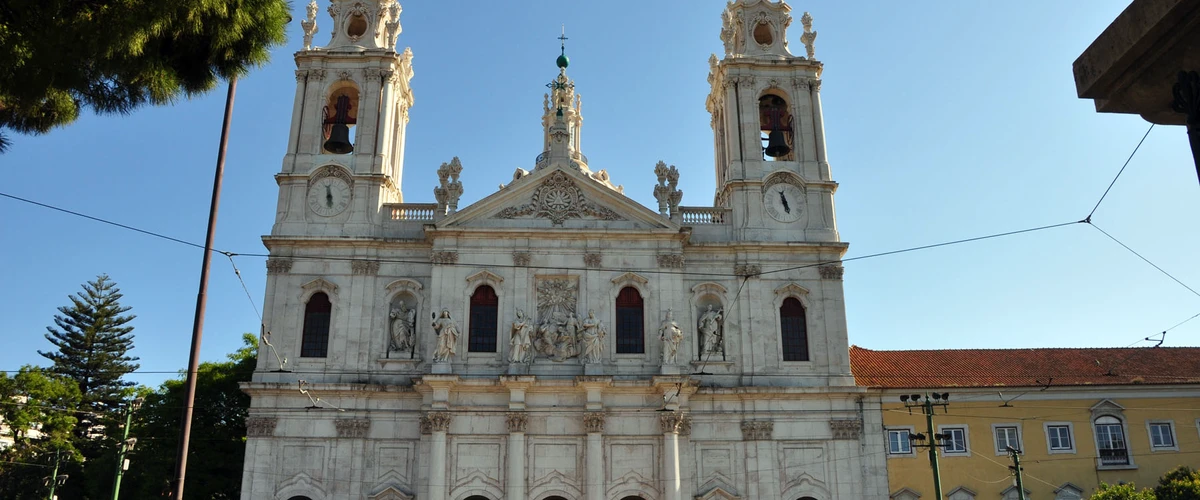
(1079, 417)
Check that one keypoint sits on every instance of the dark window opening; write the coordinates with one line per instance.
(794, 330)
(631, 338)
(484, 308)
(314, 342)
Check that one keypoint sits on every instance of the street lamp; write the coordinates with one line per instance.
(937, 440)
(127, 444)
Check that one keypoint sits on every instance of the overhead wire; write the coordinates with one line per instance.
(1119, 172)
(1140, 256)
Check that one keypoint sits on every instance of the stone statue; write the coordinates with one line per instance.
(711, 335)
(671, 335)
(591, 337)
(809, 35)
(404, 324)
(564, 346)
(309, 24)
(522, 339)
(544, 342)
(447, 337)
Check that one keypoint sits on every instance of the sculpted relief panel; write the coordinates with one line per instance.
(557, 333)
(558, 199)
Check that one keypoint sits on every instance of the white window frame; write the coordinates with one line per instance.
(1109, 408)
(1070, 434)
(1020, 437)
(1124, 424)
(966, 440)
(888, 438)
(1170, 427)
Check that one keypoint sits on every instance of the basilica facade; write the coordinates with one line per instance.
(556, 339)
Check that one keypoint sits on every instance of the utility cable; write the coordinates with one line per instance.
(238, 273)
(639, 271)
(105, 221)
(1140, 256)
(1118, 176)
(926, 247)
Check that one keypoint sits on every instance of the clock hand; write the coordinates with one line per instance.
(782, 198)
(328, 196)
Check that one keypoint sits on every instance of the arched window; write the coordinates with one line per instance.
(476, 497)
(315, 340)
(300, 498)
(1110, 440)
(794, 330)
(555, 498)
(484, 307)
(633, 498)
(631, 325)
(775, 124)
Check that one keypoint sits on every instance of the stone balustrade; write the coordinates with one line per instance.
(695, 216)
(419, 212)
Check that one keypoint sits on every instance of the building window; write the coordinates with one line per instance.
(955, 440)
(314, 342)
(631, 325)
(1058, 436)
(1162, 436)
(482, 334)
(1110, 440)
(1007, 436)
(794, 330)
(898, 443)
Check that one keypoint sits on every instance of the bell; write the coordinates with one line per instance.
(776, 145)
(339, 140)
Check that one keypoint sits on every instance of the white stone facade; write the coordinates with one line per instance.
(401, 396)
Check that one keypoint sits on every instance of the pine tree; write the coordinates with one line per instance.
(62, 56)
(92, 336)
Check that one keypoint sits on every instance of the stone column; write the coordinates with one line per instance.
(818, 123)
(437, 423)
(515, 486)
(757, 435)
(297, 114)
(310, 140)
(594, 423)
(673, 424)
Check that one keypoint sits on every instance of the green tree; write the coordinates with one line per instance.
(1125, 491)
(1181, 483)
(93, 337)
(218, 432)
(113, 56)
(39, 409)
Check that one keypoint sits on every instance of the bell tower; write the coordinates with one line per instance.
(345, 155)
(768, 130)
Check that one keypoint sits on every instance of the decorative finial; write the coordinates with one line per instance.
(809, 35)
(563, 61)
(309, 24)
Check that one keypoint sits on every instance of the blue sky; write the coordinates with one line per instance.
(944, 120)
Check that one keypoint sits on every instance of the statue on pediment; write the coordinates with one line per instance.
(591, 338)
(447, 337)
(711, 334)
(521, 344)
(671, 336)
(403, 327)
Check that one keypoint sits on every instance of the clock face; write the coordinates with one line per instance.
(329, 196)
(784, 202)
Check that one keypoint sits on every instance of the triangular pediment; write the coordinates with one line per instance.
(557, 198)
(718, 493)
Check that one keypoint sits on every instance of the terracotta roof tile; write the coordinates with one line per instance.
(1024, 367)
